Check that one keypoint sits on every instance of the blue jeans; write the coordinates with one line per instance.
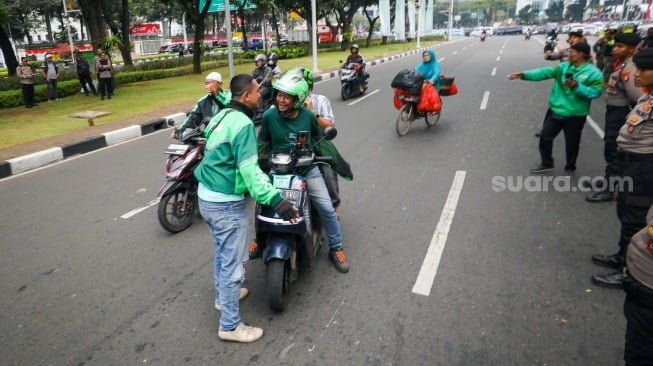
(228, 223)
(322, 203)
(52, 91)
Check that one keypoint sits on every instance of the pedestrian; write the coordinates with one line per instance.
(207, 106)
(635, 143)
(599, 51)
(621, 95)
(280, 127)
(262, 73)
(25, 73)
(576, 83)
(50, 73)
(228, 170)
(83, 71)
(647, 42)
(105, 72)
(638, 305)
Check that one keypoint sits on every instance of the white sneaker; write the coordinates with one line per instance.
(243, 294)
(243, 333)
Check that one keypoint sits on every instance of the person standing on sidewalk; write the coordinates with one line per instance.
(25, 73)
(576, 83)
(620, 96)
(50, 73)
(635, 142)
(228, 170)
(105, 71)
(83, 70)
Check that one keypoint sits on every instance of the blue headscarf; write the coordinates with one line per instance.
(431, 69)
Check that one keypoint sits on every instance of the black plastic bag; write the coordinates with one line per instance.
(408, 80)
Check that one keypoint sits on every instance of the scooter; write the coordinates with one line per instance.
(483, 35)
(527, 36)
(288, 246)
(351, 84)
(550, 44)
(178, 195)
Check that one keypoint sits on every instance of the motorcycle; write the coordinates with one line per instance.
(178, 195)
(550, 44)
(408, 113)
(351, 84)
(288, 246)
(527, 36)
(483, 35)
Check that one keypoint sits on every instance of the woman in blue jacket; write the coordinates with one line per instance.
(430, 68)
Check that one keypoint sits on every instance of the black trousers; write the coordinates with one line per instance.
(615, 117)
(572, 127)
(633, 201)
(86, 79)
(105, 85)
(638, 310)
(28, 94)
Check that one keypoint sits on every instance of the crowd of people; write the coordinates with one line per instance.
(623, 76)
(102, 68)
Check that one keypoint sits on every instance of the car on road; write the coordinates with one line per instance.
(255, 44)
(175, 48)
(478, 30)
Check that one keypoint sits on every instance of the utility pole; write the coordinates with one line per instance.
(70, 36)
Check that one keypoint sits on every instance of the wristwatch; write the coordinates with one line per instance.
(318, 116)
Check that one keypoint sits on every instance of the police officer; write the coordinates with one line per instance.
(620, 96)
(635, 196)
(638, 306)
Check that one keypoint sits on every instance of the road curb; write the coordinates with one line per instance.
(38, 159)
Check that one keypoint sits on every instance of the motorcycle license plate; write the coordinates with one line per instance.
(291, 195)
(177, 149)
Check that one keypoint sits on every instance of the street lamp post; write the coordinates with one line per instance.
(419, 24)
(70, 36)
(450, 19)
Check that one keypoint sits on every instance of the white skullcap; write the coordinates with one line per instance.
(215, 76)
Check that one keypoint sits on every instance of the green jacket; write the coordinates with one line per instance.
(563, 100)
(230, 163)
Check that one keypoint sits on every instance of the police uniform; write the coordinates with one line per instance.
(635, 196)
(621, 95)
(638, 305)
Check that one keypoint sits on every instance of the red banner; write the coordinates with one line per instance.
(145, 29)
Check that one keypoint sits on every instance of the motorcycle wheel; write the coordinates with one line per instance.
(404, 119)
(277, 285)
(432, 118)
(345, 91)
(176, 210)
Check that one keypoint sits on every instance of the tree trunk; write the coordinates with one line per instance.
(94, 23)
(125, 50)
(8, 51)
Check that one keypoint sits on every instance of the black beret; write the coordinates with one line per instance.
(582, 47)
(629, 39)
(644, 59)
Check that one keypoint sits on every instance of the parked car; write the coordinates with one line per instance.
(175, 48)
(254, 44)
(478, 30)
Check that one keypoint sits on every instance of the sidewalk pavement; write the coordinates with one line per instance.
(25, 157)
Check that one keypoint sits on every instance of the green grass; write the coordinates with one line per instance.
(20, 125)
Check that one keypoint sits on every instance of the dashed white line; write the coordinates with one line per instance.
(139, 210)
(494, 71)
(454, 52)
(441, 59)
(498, 58)
(364, 97)
(431, 262)
(595, 127)
(486, 96)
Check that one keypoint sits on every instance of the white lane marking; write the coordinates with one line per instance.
(431, 262)
(494, 71)
(464, 48)
(498, 58)
(442, 59)
(364, 97)
(486, 96)
(596, 127)
(454, 52)
(501, 50)
(139, 210)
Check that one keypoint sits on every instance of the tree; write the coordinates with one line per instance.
(528, 14)
(556, 10)
(576, 10)
(5, 42)
(196, 17)
(371, 22)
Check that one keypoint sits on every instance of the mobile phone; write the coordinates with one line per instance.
(569, 76)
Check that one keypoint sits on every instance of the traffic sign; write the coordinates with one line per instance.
(218, 5)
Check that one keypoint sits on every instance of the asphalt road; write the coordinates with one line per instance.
(447, 268)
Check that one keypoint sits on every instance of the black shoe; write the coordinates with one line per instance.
(598, 183)
(541, 169)
(538, 134)
(34, 104)
(254, 250)
(603, 196)
(615, 261)
(610, 280)
(570, 168)
(28, 106)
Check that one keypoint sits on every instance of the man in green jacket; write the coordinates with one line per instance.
(576, 83)
(228, 170)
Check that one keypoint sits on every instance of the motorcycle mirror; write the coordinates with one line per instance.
(330, 133)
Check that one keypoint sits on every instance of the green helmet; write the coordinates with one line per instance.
(294, 85)
(303, 73)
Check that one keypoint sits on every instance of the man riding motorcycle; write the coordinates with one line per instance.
(356, 58)
(262, 73)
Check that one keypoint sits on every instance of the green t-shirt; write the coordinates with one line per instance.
(282, 132)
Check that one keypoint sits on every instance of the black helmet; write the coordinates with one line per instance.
(272, 59)
(303, 73)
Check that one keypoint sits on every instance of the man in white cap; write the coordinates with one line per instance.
(207, 106)
(50, 73)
